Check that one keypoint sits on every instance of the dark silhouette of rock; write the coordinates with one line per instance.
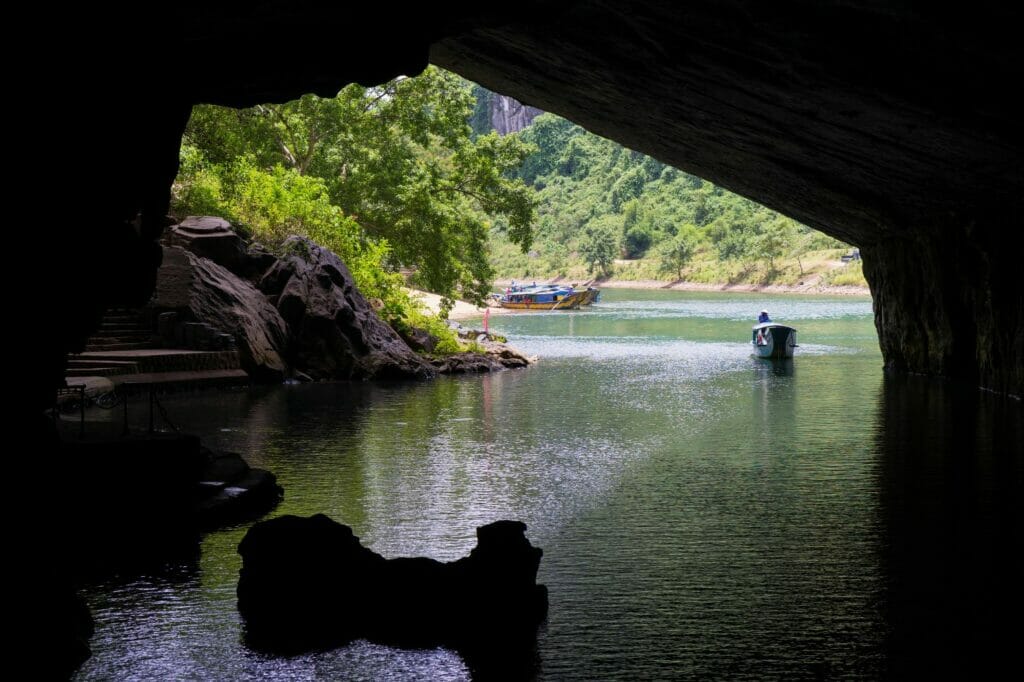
(232, 491)
(159, 490)
(335, 332)
(69, 627)
(308, 583)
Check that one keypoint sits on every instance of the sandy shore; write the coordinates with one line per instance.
(462, 310)
(812, 288)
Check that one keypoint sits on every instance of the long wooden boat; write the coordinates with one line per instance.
(546, 297)
(772, 340)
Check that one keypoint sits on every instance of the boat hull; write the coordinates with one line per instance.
(773, 341)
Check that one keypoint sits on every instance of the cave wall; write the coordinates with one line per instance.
(891, 125)
(950, 304)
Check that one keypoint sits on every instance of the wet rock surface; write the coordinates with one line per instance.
(496, 355)
(134, 501)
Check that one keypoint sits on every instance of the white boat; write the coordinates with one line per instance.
(772, 340)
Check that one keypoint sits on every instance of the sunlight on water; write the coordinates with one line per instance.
(783, 310)
(703, 513)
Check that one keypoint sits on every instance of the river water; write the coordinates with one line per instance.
(703, 514)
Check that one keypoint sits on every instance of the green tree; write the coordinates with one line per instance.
(599, 244)
(774, 240)
(399, 160)
(676, 253)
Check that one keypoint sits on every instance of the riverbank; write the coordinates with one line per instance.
(463, 310)
(811, 288)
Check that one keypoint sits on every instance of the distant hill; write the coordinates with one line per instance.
(597, 197)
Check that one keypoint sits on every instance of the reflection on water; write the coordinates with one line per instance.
(703, 513)
(951, 483)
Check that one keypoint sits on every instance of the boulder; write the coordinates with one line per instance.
(496, 355)
(210, 237)
(209, 293)
(335, 332)
(308, 583)
(420, 340)
(215, 238)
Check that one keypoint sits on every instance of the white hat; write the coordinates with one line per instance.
(764, 311)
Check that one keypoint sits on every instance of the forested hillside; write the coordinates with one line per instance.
(606, 210)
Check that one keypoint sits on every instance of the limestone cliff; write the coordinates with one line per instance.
(510, 115)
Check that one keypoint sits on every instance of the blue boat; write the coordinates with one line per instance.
(772, 340)
(546, 297)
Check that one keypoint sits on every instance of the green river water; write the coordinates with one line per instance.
(703, 514)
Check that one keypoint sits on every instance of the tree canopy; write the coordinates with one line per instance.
(389, 173)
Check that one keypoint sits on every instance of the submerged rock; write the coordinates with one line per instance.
(308, 583)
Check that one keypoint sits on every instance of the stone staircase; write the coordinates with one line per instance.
(121, 329)
(125, 355)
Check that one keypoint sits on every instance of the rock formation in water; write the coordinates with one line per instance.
(133, 500)
(309, 317)
(308, 583)
(495, 354)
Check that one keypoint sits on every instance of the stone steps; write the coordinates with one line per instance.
(150, 360)
(103, 345)
(121, 330)
(184, 380)
(96, 371)
(79, 362)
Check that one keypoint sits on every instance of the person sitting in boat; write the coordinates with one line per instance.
(763, 317)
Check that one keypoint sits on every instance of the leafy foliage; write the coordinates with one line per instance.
(587, 185)
(390, 170)
(600, 243)
(675, 253)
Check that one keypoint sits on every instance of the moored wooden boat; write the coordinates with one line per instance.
(772, 340)
(546, 297)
